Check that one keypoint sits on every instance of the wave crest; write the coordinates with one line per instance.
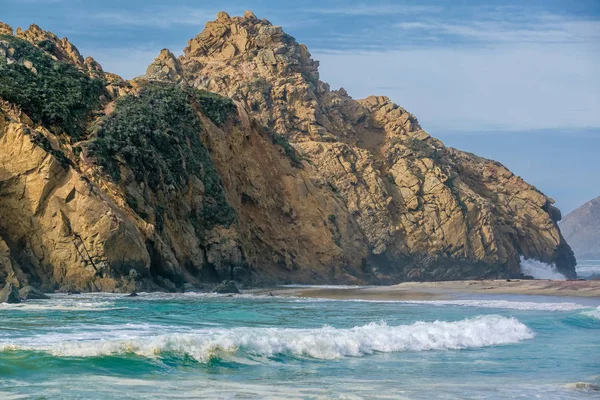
(595, 313)
(322, 343)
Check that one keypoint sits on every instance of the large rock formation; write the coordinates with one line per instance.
(108, 184)
(581, 228)
(427, 211)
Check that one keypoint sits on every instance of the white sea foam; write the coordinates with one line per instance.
(321, 343)
(595, 313)
(512, 305)
(49, 305)
(540, 270)
(504, 304)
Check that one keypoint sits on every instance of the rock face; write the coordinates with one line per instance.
(31, 293)
(226, 287)
(427, 211)
(9, 294)
(149, 184)
(581, 228)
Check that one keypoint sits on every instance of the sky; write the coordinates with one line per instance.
(515, 81)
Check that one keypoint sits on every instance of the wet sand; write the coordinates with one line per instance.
(444, 290)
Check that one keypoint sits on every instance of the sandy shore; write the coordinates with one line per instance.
(445, 290)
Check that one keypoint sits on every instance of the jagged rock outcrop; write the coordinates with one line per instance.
(581, 228)
(31, 293)
(114, 205)
(427, 211)
(165, 68)
(152, 183)
(9, 294)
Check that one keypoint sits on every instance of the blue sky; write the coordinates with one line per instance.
(517, 81)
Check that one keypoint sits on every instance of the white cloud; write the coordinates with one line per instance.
(542, 29)
(157, 17)
(531, 72)
(503, 87)
(374, 10)
(126, 62)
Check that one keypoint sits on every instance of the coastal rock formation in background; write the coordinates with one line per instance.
(235, 162)
(581, 228)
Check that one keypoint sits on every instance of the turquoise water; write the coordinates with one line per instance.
(180, 346)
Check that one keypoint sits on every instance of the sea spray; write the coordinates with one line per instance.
(322, 343)
(540, 270)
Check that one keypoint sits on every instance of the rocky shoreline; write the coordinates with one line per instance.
(263, 175)
(400, 292)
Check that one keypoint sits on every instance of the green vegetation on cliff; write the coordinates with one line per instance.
(51, 92)
(156, 133)
(218, 108)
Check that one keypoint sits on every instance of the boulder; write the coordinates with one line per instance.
(189, 288)
(68, 289)
(226, 287)
(222, 16)
(166, 284)
(31, 293)
(9, 294)
(249, 14)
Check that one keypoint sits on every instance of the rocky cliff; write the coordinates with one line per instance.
(581, 227)
(427, 211)
(235, 161)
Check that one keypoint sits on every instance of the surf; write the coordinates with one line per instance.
(324, 343)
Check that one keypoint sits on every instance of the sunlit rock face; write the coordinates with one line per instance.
(115, 185)
(427, 211)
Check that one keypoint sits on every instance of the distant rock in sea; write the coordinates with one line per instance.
(581, 228)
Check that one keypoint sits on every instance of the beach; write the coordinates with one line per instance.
(442, 290)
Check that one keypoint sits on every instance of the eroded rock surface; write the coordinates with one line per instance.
(427, 211)
(156, 182)
(9, 294)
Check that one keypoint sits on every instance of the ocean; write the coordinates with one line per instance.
(197, 346)
(588, 268)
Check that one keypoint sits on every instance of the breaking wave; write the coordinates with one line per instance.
(322, 343)
(540, 270)
(70, 306)
(511, 305)
(594, 313)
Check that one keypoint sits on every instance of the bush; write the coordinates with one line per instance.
(218, 108)
(156, 133)
(58, 95)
